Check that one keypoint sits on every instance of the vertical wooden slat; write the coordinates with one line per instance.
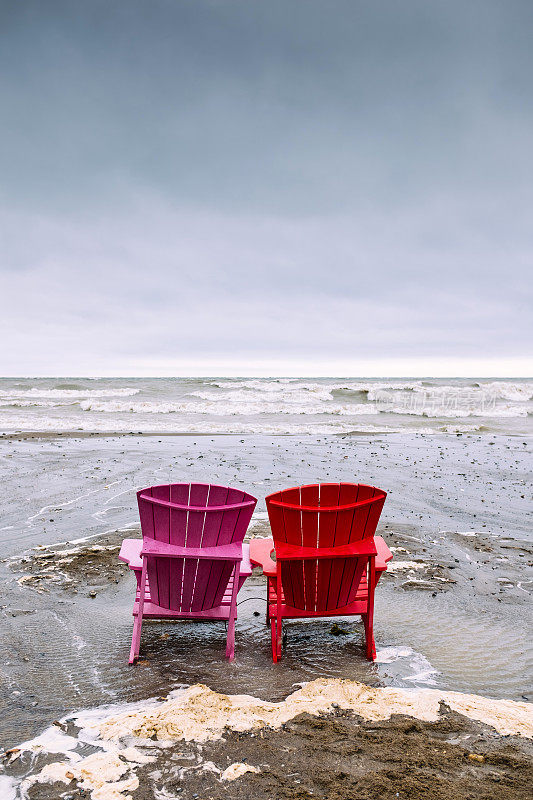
(291, 572)
(195, 524)
(327, 523)
(275, 518)
(210, 573)
(310, 496)
(179, 493)
(348, 493)
(146, 514)
(160, 569)
(373, 517)
(360, 516)
(352, 573)
(292, 518)
(230, 518)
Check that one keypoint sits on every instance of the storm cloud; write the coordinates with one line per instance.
(293, 187)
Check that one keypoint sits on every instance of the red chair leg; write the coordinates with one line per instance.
(267, 618)
(279, 619)
(370, 644)
(368, 618)
(273, 635)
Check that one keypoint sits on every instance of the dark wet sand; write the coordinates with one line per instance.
(23, 436)
(342, 757)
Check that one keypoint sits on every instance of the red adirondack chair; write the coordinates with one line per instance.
(191, 561)
(328, 560)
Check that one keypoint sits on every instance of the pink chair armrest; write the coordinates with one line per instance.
(130, 552)
(246, 564)
(384, 554)
(260, 550)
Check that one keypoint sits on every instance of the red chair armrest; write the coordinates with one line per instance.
(260, 550)
(384, 554)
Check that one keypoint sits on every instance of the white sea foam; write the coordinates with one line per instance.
(36, 392)
(238, 426)
(458, 413)
(229, 407)
(419, 669)
(8, 788)
(18, 403)
(130, 407)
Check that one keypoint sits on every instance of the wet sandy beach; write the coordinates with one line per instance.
(454, 612)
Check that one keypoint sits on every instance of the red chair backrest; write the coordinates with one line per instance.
(324, 516)
(192, 515)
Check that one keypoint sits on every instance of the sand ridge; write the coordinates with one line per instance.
(200, 714)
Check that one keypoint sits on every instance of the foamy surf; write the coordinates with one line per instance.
(125, 737)
(271, 406)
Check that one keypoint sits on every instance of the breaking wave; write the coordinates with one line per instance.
(36, 392)
(261, 405)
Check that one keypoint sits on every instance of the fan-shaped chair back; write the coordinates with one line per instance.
(324, 517)
(192, 516)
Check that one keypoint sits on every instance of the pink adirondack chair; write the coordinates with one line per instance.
(328, 560)
(191, 561)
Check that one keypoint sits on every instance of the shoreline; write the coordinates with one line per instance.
(23, 435)
(47, 435)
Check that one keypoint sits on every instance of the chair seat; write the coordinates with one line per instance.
(358, 606)
(154, 611)
(130, 553)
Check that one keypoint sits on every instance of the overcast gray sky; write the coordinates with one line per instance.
(262, 187)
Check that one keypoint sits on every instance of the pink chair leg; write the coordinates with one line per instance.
(136, 639)
(230, 640)
(137, 624)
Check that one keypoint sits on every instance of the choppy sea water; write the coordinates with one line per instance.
(268, 406)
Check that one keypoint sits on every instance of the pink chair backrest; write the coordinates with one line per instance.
(192, 515)
(324, 516)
